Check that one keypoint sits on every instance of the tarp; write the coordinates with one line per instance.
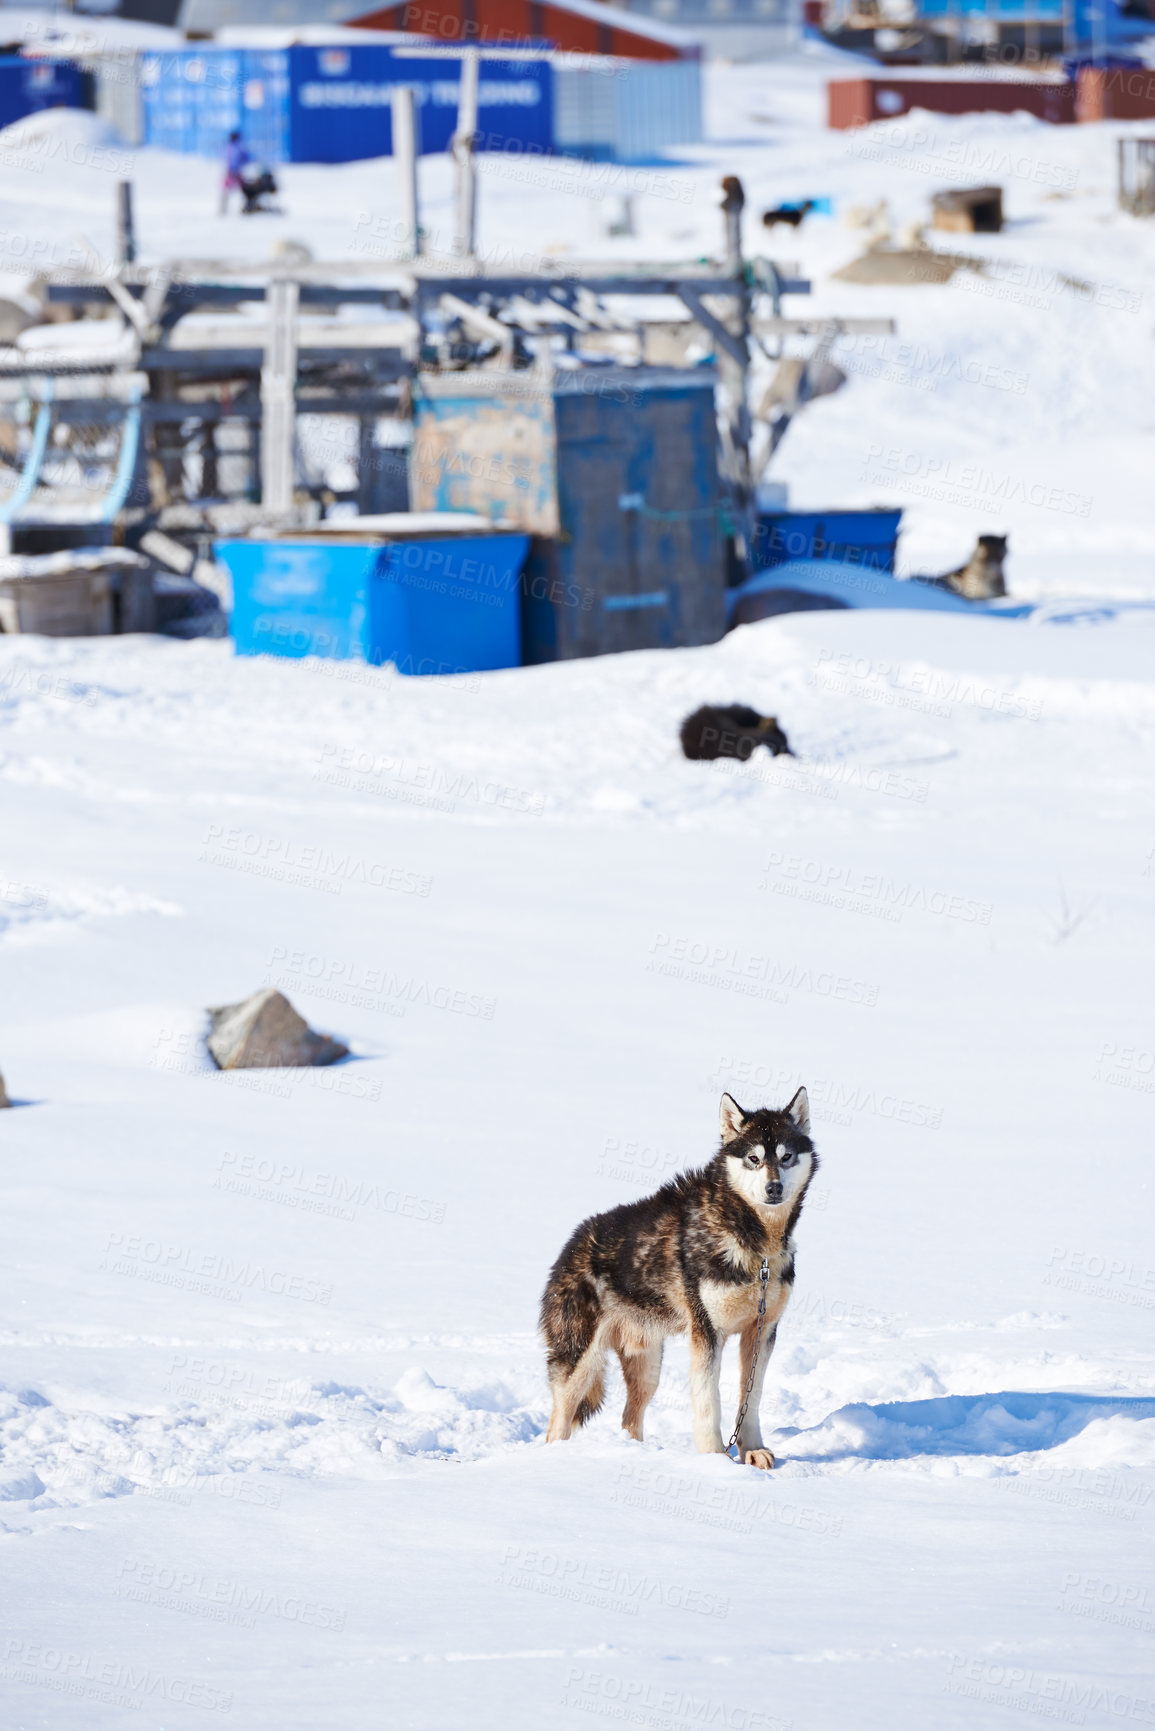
(847, 585)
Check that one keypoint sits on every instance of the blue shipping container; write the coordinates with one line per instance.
(192, 100)
(430, 605)
(27, 86)
(340, 106)
(305, 104)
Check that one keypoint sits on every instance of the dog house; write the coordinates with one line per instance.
(969, 210)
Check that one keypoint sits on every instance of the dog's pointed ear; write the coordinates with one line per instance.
(732, 1117)
(799, 1110)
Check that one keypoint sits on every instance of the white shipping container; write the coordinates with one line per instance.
(118, 99)
(625, 110)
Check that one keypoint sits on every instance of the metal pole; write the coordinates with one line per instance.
(404, 103)
(465, 240)
(278, 402)
(125, 227)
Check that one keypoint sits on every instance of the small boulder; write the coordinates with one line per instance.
(266, 1033)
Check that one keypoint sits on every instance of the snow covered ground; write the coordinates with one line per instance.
(273, 1406)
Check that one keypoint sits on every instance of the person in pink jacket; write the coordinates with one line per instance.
(236, 158)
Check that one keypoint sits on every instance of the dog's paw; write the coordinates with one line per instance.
(761, 1458)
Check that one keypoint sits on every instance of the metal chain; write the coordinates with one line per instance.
(764, 1277)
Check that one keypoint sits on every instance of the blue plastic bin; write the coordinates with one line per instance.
(868, 538)
(436, 603)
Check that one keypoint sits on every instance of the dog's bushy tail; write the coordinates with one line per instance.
(570, 1314)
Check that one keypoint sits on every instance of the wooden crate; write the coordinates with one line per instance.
(57, 604)
(613, 472)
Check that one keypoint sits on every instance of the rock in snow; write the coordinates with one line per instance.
(266, 1033)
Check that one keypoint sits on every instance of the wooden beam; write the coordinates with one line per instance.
(385, 364)
(726, 339)
(816, 326)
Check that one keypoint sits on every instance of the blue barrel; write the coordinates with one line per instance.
(428, 604)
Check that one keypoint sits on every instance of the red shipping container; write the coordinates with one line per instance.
(1114, 94)
(859, 101)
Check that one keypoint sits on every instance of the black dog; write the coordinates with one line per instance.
(791, 214)
(731, 731)
(257, 184)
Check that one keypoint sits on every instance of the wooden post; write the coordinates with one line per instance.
(465, 239)
(210, 470)
(733, 204)
(403, 99)
(367, 460)
(734, 376)
(125, 227)
(278, 400)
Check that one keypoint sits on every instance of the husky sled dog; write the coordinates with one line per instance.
(981, 578)
(790, 214)
(733, 730)
(687, 1260)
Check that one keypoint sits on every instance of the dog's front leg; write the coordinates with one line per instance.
(705, 1399)
(751, 1449)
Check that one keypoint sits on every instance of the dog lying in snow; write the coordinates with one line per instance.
(699, 1257)
(981, 578)
(732, 730)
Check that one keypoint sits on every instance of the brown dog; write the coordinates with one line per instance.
(695, 1258)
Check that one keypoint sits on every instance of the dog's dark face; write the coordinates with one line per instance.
(993, 548)
(774, 738)
(769, 1155)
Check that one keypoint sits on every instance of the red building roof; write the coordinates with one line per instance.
(575, 26)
